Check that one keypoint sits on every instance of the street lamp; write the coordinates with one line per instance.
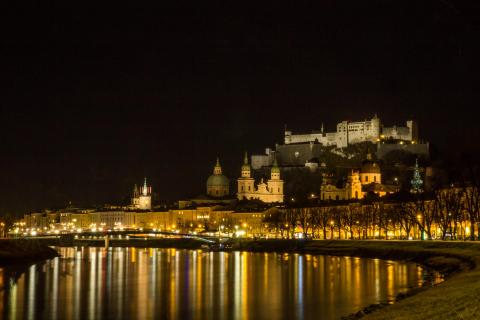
(220, 229)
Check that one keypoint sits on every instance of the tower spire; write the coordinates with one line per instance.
(217, 170)
(135, 191)
(145, 189)
(245, 159)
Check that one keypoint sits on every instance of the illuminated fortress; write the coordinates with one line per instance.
(356, 132)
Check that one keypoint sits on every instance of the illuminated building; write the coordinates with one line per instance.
(142, 198)
(217, 183)
(271, 191)
(359, 183)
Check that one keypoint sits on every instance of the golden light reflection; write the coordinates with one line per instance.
(92, 284)
(390, 279)
(245, 284)
(31, 292)
(77, 278)
(165, 283)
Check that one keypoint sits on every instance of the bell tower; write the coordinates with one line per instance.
(246, 184)
(275, 184)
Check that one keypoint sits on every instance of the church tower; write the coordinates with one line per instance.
(275, 184)
(144, 199)
(353, 188)
(246, 184)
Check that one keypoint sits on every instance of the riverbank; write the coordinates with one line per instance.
(21, 251)
(456, 298)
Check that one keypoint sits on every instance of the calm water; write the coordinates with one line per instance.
(128, 283)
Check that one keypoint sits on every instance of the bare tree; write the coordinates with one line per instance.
(303, 218)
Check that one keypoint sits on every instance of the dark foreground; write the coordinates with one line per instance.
(18, 251)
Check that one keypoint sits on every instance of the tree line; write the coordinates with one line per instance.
(447, 213)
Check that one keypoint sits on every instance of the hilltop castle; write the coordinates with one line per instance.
(306, 149)
(356, 132)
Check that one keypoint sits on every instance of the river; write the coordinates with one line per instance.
(129, 283)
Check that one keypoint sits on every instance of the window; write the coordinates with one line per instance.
(356, 194)
(336, 197)
(242, 188)
(374, 178)
(366, 178)
(248, 188)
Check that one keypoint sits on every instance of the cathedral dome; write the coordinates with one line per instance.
(246, 167)
(217, 180)
(370, 167)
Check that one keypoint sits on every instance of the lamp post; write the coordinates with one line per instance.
(220, 229)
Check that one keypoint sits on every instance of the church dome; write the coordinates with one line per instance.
(369, 165)
(246, 167)
(217, 180)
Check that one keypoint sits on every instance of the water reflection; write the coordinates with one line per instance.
(124, 283)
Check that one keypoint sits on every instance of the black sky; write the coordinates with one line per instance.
(94, 101)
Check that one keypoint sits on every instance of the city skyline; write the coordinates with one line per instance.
(92, 105)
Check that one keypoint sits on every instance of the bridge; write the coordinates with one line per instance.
(127, 237)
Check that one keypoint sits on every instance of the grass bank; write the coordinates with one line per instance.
(15, 251)
(456, 298)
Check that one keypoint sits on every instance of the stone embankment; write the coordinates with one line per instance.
(17, 251)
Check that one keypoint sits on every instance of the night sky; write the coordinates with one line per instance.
(94, 101)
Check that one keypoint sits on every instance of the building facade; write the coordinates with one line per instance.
(142, 198)
(270, 191)
(358, 184)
